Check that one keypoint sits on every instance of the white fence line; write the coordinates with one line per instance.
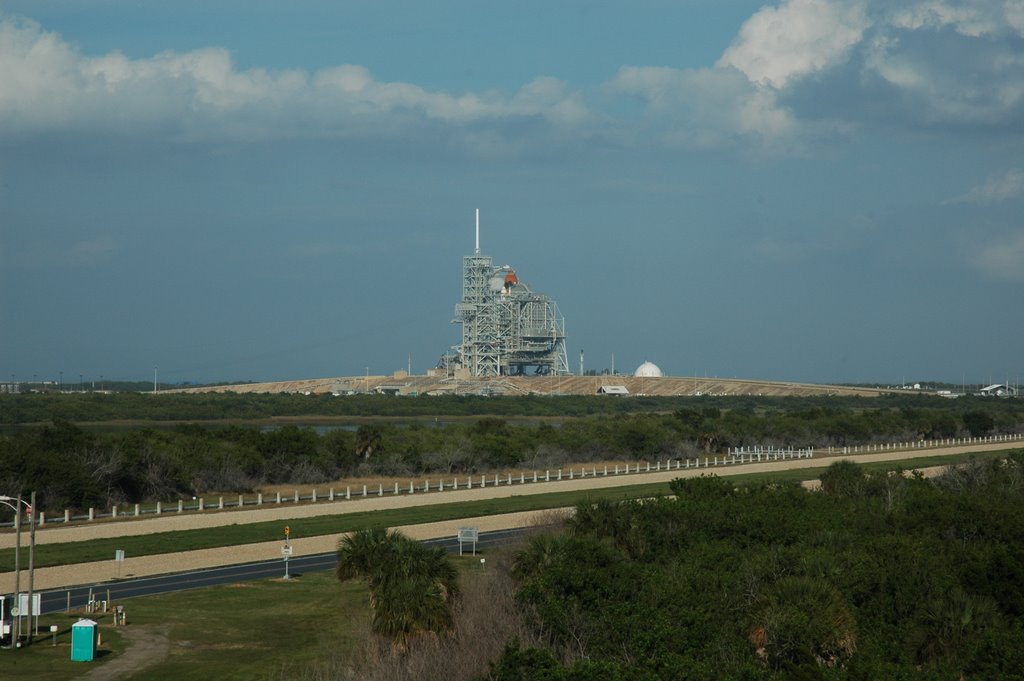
(732, 457)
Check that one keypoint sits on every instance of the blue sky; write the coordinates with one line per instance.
(813, 190)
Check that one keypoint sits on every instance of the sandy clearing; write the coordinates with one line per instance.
(62, 576)
(929, 472)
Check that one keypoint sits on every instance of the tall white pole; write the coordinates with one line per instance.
(477, 252)
(31, 565)
(16, 641)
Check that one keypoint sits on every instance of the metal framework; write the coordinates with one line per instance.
(507, 329)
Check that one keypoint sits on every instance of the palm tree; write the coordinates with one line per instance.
(362, 553)
(409, 608)
(803, 620)
(948, 622)
(411, 586)
(539, 554)
(369, 441)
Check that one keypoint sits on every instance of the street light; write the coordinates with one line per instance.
(16, 507)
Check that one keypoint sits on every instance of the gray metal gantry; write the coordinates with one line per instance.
(507, 329)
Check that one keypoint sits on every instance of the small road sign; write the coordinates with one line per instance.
(468, 534)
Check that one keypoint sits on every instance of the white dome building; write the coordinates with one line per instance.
(647, 370)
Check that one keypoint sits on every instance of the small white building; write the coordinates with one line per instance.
(999, 390)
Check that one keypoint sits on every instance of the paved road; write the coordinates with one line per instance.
(62, 576)
(118, 590)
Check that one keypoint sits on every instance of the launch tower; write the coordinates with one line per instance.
(507, 329)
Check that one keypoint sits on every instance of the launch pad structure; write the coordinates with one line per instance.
(507, 328)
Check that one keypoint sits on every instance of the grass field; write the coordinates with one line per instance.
(250, 630)
(240, 632)
(233, 535)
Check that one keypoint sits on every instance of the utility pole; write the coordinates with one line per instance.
(16, 507)
(31, 565)
(17, 571)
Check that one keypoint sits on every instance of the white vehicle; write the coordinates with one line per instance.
(5, 620)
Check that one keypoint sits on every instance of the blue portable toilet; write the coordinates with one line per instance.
(83, 640)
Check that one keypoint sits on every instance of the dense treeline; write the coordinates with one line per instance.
(73, 467)
(90, 407)
(876, 577)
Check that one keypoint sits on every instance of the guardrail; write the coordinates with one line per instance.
(733, 456)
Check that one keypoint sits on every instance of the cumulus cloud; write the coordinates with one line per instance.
(938, 78)
(47, 84)
(935, 62)
(806, 70)
(1003, 259)
(975, 19)
(799, 37)
(710, 107)
(797, 72)
(997, 188)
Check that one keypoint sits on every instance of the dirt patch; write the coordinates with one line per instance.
(147, 645)
(929, 472)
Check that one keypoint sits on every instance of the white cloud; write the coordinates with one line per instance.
(796, 73)
(935, 62)
(46, 84)
(997, 188)
(1003, 259)
(799, 37)
(943, 80)
(706, 107)
(1015, 15)
(975, 19)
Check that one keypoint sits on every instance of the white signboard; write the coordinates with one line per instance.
(37, 600)
(119, 555)
(286, 551)
(468, 534)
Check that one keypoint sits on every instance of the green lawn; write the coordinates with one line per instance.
(244, 631)
(233, 535)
